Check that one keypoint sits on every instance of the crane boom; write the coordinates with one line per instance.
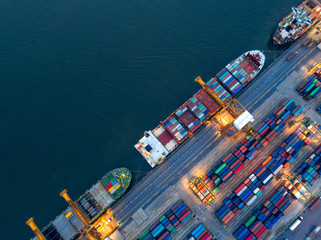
(209, 91)
(231, 105)
(75, 208)
(35, 229)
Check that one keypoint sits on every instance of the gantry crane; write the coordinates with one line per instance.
(291, 178)
(35, 229)
(196, 180)
(305, 122)
(89, 231)
(231, 105)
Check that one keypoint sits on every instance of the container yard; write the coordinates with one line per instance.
(205, 183)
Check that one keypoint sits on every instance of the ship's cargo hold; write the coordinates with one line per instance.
(168, 223)
(200, 232)
(251, 188)
(238, 73)
(245, 151)
(297, 22)
(311, 88)
(92, 204)
(268, 213)
(155, 145)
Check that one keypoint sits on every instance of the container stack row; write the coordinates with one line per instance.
(268, 214)
(187, 118)
(218, 89)
(229, 81)
(245, 151)
(310, 170)
(310, 89)
(175, 128)
(198, 109)
(200, 233)
(251, 188)
(276, 121)
(167, 224)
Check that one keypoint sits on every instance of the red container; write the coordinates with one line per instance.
(239, 168)
(234, 164)
(239, 188)
(261, 231)
(227, 175)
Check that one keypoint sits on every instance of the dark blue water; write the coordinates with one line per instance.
(81, 81)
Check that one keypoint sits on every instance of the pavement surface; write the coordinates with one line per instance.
(169, 181)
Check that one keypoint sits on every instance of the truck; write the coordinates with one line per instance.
(316, 203)
(291, 56)
(306, 42)
(296, 223)
(313, 233)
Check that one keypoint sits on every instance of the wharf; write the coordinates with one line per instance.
(153, 195)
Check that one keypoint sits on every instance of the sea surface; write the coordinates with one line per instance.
(81, 80)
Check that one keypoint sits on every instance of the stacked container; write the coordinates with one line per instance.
(246, 150)
(251, 188)
(198, 109)
(229, 81)
(175, 128)
(200, 233)
(208, 101)
(268, 214)
(173, 219)
(113, 186)
(310, 170)
(187, 118)
(218, 89)
(310, 89)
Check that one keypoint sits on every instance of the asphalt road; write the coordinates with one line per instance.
(310, 219)
(183, 160)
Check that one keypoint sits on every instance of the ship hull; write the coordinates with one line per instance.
(93, 203)
(156, 144)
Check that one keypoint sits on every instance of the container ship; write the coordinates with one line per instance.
(93, 203)
(297, 22)
(156, 144)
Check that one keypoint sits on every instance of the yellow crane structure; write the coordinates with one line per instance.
(35, 229)
(233, 107)
(291, 178)
(88, 230)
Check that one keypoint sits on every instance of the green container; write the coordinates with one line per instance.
(277, 127)
(159, 230)
(220, 168)
(259, 139)
(259, 193)
(248, 137)
(309, 88)
(162, 218)
(216, 190)
(250, 221)
(171, 228)
(217, 181)
(314, 91)
(286, 105)
(144, 234)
